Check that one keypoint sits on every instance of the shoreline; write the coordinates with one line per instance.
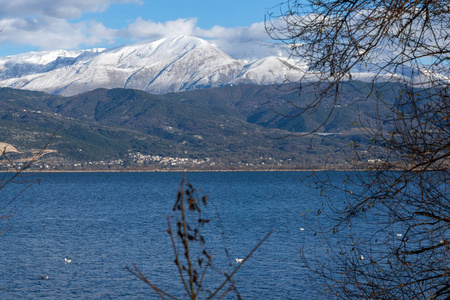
(175, 171)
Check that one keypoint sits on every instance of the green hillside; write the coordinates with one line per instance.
(243, 126)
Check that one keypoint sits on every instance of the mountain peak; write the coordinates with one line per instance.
(172, 64)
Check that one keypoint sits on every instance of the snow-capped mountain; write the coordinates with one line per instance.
(168, 65)
(38, 62)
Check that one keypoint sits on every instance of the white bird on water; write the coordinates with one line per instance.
(239, 260)
(399, 234)
(361, 257)
(68, 261)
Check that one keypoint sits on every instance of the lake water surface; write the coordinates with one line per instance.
(106, 221)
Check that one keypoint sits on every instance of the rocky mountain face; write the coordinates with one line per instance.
(169, 65)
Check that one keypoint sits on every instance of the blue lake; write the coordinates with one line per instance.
(106, 221)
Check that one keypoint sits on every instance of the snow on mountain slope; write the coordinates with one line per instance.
(263, 71)
(251, 50)
(38, 62)
(168, 65)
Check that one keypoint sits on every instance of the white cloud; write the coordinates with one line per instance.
(234, 41)
(148, 29)
(50, 24)
(63, 9)
(44, 23)
(52, 33)
(254, 31)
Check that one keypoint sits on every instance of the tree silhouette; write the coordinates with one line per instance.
(193, 259)
(398, 192)
(13, 175)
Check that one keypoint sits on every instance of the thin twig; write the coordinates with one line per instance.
(240, 265)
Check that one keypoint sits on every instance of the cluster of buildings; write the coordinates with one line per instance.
(140, 158)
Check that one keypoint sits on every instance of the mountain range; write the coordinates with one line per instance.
(173, 64)
(168, 65)
(242, 126)
(182, 98)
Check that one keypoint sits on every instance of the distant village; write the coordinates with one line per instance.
(131, 161)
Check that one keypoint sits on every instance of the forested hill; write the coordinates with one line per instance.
(227, 127)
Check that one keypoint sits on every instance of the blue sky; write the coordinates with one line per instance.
(35, 25)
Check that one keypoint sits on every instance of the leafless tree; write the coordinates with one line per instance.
(193, 259)
(398, 194)
(13, 174)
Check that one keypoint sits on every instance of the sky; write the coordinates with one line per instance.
(38, 25)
